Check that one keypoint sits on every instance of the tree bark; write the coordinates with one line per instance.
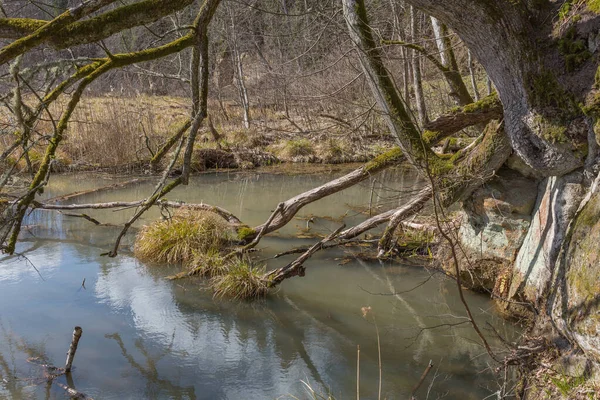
(452, 74)
(508, 40)
(416, 68)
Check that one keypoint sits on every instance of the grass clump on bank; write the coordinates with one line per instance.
(185, 236)
(298, 148)
(242, 281)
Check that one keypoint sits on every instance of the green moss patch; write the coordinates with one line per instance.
(573, 49)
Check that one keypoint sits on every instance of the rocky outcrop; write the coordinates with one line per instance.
(575, 298)
(494, 223)
(557, 203)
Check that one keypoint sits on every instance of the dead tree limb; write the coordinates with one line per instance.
(296, 267)
(73, 348)
(421, 380)
(232, 219)
(293, 205)
(480, 112)
(73, 195)
(266, 225)
(73, 393)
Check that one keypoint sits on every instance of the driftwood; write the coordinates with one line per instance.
(296, 267)
(348, 235)
(410, 208)
(73, 393)
(51, 372)
(130, 204)
(421, 380)
(73, 195)
(73, 348)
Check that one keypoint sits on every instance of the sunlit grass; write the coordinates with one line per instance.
(183, 237)
(243, 281)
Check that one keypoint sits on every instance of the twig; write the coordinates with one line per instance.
(75, 394)
(423, 376)
(357, 372)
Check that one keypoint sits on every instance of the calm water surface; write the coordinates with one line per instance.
(148, 338)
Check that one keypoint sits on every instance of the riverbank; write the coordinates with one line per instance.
(122, 134)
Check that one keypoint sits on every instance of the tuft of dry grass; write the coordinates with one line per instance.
(209, 264)
(183, 237)
(243, 281)
(298, 147)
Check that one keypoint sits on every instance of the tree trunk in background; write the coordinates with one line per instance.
(473, 79)
(459, 92)
(416, 70)
(437, 33)
(239, 71)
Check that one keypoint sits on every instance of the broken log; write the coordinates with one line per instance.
(73, 348)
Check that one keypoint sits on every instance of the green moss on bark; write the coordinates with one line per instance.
(392, 156)
(573, 49)
(245, 232)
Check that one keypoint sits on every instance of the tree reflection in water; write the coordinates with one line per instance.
(155, 386)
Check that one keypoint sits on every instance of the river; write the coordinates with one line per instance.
(148, 338)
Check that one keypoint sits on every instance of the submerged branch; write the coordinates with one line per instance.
(296, 267)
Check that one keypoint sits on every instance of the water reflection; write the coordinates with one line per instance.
(145, 337)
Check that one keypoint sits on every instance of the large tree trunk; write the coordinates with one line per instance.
(512, 42)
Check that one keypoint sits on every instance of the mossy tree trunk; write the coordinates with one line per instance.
(456, 177)
(513, 41)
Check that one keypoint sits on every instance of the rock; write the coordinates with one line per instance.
(515, 163)
(558, 200)
(497, 216)
(494, 222)
(573, 365)
(575, 301)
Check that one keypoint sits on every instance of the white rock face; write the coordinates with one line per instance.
(558, 200)
(574, 299)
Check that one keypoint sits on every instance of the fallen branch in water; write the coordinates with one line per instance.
(418, 385)
(51, 372)
(73, 348)
(75, 394)
(73, 195)
(232, 219)
(296, 267)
